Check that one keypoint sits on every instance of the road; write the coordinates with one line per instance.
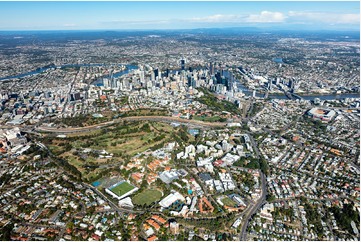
(254, 208)
(136, 118)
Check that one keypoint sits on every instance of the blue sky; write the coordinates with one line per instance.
(178, 15)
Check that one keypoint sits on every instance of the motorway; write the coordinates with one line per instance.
(167, 119)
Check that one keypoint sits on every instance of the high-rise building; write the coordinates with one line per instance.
(270, 85)
(113, 83)
(183, 64)
(106, 82)
(156, 73)
(211, 68)
(291, 84)
(141, 76)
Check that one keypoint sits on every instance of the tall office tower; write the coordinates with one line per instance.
(152, 76)
(254, 93)
(230, 81)
(211, 68)
(113, 83)
(291, 84)
(167, 73)
(141, 76)
(195, 83)
(218, 78)
(156, 72)
(106, 82)
(183, 64)
(270, 85)
(189, 83)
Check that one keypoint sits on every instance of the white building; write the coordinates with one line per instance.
(171, 198)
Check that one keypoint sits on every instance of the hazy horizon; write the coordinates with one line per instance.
(36, 16)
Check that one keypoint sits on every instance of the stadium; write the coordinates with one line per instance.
(121, 189)
(322, 114)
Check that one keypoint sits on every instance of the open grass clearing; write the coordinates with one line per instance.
(228, 202)
(147, 197)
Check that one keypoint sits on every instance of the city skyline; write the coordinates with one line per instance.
(178, 15)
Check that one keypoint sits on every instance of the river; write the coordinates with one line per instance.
(43, 69)
(278, 60)
(244, 89)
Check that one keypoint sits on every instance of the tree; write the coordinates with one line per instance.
(5, 232)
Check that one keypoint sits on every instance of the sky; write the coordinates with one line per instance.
(325, 15)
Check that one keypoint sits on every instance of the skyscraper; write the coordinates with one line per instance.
(152, 76)
(183, 64)
(211, 68)
(156, 72)
(270, 85)
(142, 76)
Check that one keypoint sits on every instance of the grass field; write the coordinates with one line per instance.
(147, 197)
(228, 202)
(124, 140)
(122, 189)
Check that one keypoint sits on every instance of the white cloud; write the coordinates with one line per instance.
(266, 17)
(218, 18)
(292, 17)
(332, 18)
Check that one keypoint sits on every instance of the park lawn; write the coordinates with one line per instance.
(130, 143)
(147, 197)
(87, 174)
(135, 145)
(56, 149)
(127, 144)
(228, 202)
(122, 188)
(91, 175)
(74, 161)
(162, 126)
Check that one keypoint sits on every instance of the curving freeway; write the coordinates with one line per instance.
(195, 123)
